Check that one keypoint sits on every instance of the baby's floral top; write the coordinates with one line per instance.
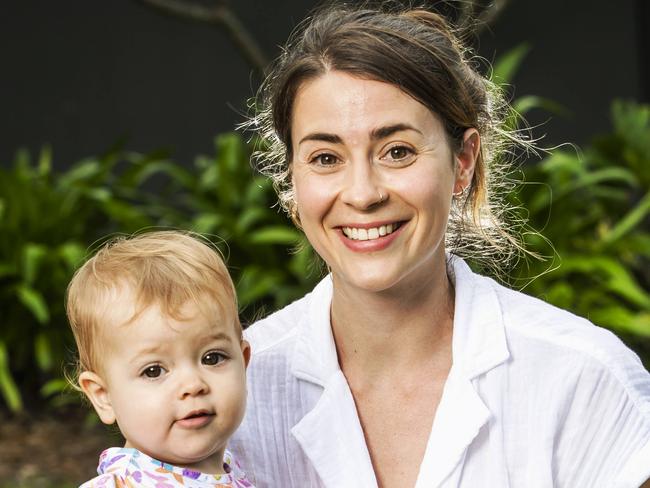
(121, 467)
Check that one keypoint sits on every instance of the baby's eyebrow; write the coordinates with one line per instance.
(219, 336)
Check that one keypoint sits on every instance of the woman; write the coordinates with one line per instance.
(402, 367)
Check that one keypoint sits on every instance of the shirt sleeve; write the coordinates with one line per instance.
(604, 440)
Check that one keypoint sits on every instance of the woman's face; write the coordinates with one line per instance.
(373, 175)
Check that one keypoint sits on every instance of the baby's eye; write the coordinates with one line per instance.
(212, 358)
(153, 371)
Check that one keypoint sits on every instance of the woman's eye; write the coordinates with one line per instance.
(399, 153)
(153, 371)
(325, 159)
(212, 358)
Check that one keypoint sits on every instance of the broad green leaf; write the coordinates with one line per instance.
(249, 217)
(230, 150)
(8, 388)
(139, 174)
(629, 221)
(530, 102)
(621, 319)
(254, 284)
(45, 161)
(43, 352)
(616, 278)
(82, 171)
(72, 254)
(54, 387)
(275, 235)
(99, 193)
(33, 256)
(206, 223)
(34, 302)
(507, 65)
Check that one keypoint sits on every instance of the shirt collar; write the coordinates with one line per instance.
(479, 341)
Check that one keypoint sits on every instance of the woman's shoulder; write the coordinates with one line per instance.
(277, 330)
(548, 335)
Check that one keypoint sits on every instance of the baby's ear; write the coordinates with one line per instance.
(95, 389)
(246, 351)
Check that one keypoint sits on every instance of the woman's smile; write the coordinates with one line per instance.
(373, 175)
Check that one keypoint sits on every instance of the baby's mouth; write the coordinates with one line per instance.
(197, 414)
(369, 234)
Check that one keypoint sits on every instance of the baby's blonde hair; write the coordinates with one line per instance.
(166, 268)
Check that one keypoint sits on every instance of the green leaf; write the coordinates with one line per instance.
(630, 221)
(72, 254)
(284, 235)
(529, 102)
(507, 65)
(206, 223)
(623, 320)
(43, 352)
(54, 387)
(249, 217)
(255, 284)
(45, 161)
(80, 172)
(33, 256)
(8, 387)
(34, 302)
(230, 151)
(615, 276)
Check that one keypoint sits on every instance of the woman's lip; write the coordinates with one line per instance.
(371, 245)
(371, 231)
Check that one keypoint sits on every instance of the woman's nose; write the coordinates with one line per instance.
(362, 188)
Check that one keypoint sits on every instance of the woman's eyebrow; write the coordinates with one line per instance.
(389, 130)
(323, 137)
(376, 134)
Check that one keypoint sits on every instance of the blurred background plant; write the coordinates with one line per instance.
(588, 212)
(593, 212)
(591, 206)
(49, 221)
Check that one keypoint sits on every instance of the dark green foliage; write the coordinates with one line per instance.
(49, 221)
(593, 210)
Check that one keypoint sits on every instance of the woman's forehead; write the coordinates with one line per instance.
(338, 102)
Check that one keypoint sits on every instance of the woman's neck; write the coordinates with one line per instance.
(394, 330)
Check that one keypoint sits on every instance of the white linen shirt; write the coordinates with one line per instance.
(536, 397)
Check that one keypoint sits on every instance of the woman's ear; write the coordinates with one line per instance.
(466, 159)
(95, 389)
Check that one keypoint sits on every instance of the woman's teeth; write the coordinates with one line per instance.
(358, 234)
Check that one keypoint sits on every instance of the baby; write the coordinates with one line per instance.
(161, 353)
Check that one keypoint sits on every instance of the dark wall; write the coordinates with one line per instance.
(80, 74)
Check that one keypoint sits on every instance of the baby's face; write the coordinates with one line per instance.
(177, 388)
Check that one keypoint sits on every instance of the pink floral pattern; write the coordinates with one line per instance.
(128, 468)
